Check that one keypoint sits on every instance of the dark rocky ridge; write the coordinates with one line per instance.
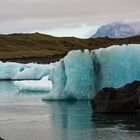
(42, 48)
(122, 100)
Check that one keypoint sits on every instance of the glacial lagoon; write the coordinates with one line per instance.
(24, 116)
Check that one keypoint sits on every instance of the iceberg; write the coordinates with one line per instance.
(43, 85)
(81, 74)
(17, 71)
(9, 70)
(33, 72)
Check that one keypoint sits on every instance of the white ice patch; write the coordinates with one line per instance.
(43, 85)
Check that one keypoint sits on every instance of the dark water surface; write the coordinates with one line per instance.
(26, 117)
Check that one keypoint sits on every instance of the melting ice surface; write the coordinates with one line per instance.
(81, 74)
(43, 85)
(19, 71)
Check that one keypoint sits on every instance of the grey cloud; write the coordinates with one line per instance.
(28, 15)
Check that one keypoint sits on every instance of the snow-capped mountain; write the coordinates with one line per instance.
(118, 30)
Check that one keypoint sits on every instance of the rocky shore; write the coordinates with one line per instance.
(39, 60)
(122, 100)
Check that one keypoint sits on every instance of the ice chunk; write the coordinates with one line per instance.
(43, 85)
(33, 71)
(9, 70)
(19, 71)
(82, 73)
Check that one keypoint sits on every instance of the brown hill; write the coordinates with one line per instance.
(42, 48)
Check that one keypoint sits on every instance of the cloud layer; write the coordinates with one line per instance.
(33, 15)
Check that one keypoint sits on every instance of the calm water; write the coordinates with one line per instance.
(25, 117)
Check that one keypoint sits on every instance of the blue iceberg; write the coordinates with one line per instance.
(81, 74)
(18, 71)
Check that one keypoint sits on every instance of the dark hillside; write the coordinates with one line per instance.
(42, 48)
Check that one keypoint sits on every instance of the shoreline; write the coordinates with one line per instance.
(40, 48)
(39, 60)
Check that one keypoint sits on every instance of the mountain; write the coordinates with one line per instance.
(118, 30)
(43, 48)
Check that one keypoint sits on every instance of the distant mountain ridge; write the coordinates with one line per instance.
(118, 30)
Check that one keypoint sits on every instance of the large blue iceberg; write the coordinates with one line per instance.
(81, 74)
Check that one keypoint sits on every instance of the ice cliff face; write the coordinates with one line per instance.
(81, 74)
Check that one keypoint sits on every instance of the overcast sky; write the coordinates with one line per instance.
(64, 17)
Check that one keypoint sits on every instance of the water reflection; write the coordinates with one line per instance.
(62, 120)
(72, 120)
(28, 93)
(71, 115)
(77, 115)
(123, 121)
(7, 88)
